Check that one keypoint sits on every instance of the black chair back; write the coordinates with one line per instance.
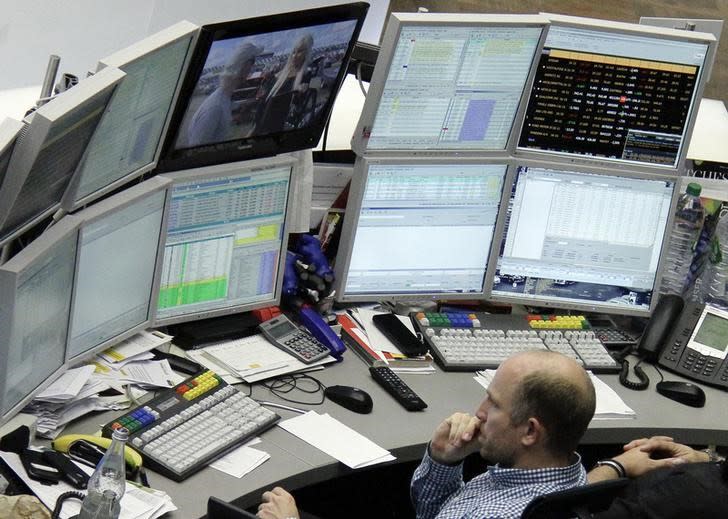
(579, 502)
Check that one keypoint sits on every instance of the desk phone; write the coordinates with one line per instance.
(697, 344)
(184, 428)
(475, 341)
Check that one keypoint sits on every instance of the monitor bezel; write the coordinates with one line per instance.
(353, 212)
(395, 24)
(9, 273)
(121, 59)
(265, 145)
(33, 138)
(101, 210)
(576, 305)
(10, 130)
(232, 168)
(556, 20)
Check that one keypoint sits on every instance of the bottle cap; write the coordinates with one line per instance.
(694, 189)
(122, 433)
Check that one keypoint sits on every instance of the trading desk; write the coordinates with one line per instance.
(295, 464)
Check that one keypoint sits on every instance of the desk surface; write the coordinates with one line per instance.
(406, 434)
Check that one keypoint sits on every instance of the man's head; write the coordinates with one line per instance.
(536, 410)
(239, 65)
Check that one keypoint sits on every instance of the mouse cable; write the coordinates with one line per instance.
(283, 385)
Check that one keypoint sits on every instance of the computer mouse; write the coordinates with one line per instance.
(352, 398)
(683, 392)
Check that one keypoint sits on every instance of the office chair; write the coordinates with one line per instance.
(219, 509)
(579, 502)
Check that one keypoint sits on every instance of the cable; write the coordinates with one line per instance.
(358, 78)
(283, 385)
(59, 502)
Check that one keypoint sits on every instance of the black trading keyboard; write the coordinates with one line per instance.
(184, 428)
(475, 341)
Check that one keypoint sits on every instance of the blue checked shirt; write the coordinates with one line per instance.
(438, 491)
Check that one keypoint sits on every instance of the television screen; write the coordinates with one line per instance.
(261, 86)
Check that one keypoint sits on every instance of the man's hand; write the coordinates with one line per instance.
(663, 448)
(455, 438)
(277, 504)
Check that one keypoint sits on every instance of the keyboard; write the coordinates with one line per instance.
(471, 342)
(184, 428)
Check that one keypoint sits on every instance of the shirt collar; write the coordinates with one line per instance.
(510, 476)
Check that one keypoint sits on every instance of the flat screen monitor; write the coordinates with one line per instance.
(119, 240)
(128, 139)
(9, 131)
(261, 86)
(419, 229)
(49, 150)
(584, 239)
(449, 82)
(625, 94)
(226, 239)
(34, 313)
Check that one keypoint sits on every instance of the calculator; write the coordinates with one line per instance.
(292, 339)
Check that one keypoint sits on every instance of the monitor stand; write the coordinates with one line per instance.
(197, 334)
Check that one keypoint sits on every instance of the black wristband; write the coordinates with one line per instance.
(614, 464)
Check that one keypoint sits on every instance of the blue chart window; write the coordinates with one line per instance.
(224, 239)
(579, 238)
(454, 87)
(425, 229)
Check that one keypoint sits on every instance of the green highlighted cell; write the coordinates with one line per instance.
(193, 292)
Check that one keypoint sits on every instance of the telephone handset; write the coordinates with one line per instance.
(655, 335)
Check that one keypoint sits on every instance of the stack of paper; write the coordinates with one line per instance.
(363, 337)
(137, 502)
(336, 439)
(250, 359)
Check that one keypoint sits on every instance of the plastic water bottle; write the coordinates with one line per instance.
(685, 233)
(715, 277)
(108, 482)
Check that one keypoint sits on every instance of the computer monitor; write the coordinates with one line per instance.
(420, 229)
(261, 86)
(9, 131)
(119, 241)
(48, 151)
(34, 314)
(623, 94)
(449, 82)
(226, 240)
(585, 239)
(128, 140)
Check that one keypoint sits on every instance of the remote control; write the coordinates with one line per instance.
(396, 387)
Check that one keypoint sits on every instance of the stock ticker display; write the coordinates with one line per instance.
(608, 106)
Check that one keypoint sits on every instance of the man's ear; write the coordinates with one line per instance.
(533, 432)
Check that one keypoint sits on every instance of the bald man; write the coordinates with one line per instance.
(533, 416)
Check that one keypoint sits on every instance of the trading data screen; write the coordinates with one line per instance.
(424, 230)
(129, 134)
(575, 238)
(452, 87)
(115, 273)
(618, 96)
(224, 243)
(37, 328)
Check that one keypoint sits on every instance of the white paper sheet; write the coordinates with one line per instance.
(336, 439)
